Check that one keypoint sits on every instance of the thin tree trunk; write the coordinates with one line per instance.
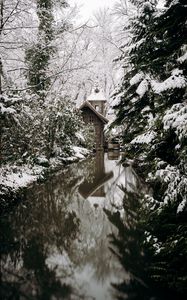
(1, 73)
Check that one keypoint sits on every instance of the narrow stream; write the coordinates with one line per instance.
(56, 243)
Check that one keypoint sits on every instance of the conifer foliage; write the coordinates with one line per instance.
(136, 101)
(153, 94)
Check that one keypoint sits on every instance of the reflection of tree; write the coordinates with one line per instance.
(92, 245)
(45, 281)
(138, 256)
(55, 233)
(130, 250)
(103, 261)
(41, 223)
(35, 281)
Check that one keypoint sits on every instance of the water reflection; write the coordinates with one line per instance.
(156, 266)
(114, 155)
(95, 186)
(55, 245)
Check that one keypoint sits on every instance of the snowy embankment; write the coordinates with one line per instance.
(15, 177)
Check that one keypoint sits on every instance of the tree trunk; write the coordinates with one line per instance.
(1, 74)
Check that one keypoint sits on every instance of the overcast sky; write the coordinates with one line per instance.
(90, 6)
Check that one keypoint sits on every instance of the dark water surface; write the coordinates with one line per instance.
(56, 243)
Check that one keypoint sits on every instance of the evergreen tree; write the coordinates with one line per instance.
(136, 103)
(157, 77)
(153, 100)
(39, 55)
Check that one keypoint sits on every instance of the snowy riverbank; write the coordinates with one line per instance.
(14, 177)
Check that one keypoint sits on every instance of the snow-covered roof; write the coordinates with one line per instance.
(100, 116)
(96, 95)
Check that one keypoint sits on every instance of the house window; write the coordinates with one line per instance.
(97, 108)
(91, 119)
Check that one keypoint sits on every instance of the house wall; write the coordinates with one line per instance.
(90, 118)
(100, 104)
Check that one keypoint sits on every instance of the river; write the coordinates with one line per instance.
(56, 243)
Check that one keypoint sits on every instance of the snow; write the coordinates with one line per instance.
(80, 136)
(136, 45)
(144, 138)
(7, 110)
(181, 206)
(96, 96)
(19, 180)
(42, 160)
(58, 259)
(176, 185)
(146, 6)
(182, 58)
(80, 152)
(16, 177)
(134, 100)
(176, 118)
(142, 88)
(116, 101)
(176, 80)
(137, 78)
(146, 109)
(168, 174)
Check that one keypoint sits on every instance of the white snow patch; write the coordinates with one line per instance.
(146, 109)
(176, 185)
(176, 118)
(117, 100)
(16, 177)
(176, 80)
(182, 58)
(6, 110)
(80, 136)
(134, 100)
(182, 205)
(142, 88)
(96, 96)
(137, 78)
(136, 45)
(57, 259)
(144, 138)
(80, 152)
(42, 159)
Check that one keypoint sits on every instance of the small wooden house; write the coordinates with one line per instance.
(93, 112)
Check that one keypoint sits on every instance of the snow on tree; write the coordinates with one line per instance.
(152, 104)
(39, 63)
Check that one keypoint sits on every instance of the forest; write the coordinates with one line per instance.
(50, 61)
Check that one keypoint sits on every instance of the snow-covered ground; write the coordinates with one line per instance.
(15, 177)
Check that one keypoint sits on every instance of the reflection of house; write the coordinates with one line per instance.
(93, 112)
(113, 155)
(95, 186)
